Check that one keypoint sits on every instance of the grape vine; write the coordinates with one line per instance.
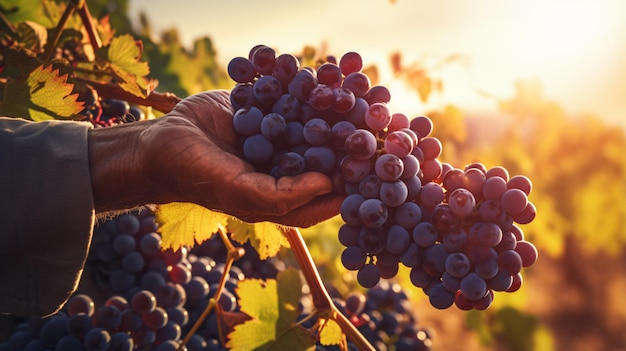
(457, 229)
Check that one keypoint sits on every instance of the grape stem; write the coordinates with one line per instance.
(321, 299)
(234, 253)
(86, 18)
(52, 44)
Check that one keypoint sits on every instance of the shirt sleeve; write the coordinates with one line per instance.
(46, 213)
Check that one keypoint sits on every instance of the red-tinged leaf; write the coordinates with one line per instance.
(123, 54)
(43, 95)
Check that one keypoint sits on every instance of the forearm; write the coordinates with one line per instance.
(115, 167)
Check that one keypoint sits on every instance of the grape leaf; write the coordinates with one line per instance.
(183, 223)
(330, 333)
(273, 308)
(32, 35)
(43, 95)
(124, 53)
(265, 237)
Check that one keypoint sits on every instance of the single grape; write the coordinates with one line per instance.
(394, 193)
(388, 167)
(285, 68)
(241, 70)
(353, 258)
(377, 116)
(344, 100)
(440, 297)
(322, 97)
(514, 201)
(358, 83)
(425, 234)
(321, 159)
(422, 125)
(378, 93)
(257, 149)
(527, 251)
(461, 202)
(329, 74)
(431, 169)
(398, 143)
(264, 59)
(368, 276)
(361, 144)
(301, 85)
(372, 240)
(473, 287)
(373, 213)
(354, 170)
(398, 240)
(316, 131)
(350, 62)
(267, 90)
(408, 215)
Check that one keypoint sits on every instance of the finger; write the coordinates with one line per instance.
(271, 197)
(316, 211)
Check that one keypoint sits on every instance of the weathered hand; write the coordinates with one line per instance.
(191, 155)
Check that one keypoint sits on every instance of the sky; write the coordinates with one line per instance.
(576, 49)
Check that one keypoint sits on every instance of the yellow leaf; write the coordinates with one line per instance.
(182, 223)
(330, 333)
(265, 237)
(273, 308)
(43, 95)
(124, 53)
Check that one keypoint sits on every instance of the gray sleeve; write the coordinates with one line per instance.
(46, 213)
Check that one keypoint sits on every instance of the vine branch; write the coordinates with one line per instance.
(321, 299)
(163, 102)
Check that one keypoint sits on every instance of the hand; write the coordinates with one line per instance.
(191, 155)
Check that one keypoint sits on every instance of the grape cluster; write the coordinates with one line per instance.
(135, 296)
(457, 229)
(384, 316)
(107, 112)
(144, 298)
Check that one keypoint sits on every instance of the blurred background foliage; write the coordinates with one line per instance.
(572, 297)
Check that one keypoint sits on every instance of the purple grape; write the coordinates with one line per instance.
(316, 131)
(358, 83)
(247, 121)
(320, 158)
(241, 70)
(267, 90)
(377, 116)
(368, 276)
(353, 258)
(394, 193)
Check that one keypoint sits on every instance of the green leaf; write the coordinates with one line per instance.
(43, 95)
(330, 333)
(183, 223)
(265, 237)
(123, 54)
(273, 308)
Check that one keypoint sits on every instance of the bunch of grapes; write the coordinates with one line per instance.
(107, 112)
(142, 297)
(457, 229)
(136, 296)
(384, 316)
